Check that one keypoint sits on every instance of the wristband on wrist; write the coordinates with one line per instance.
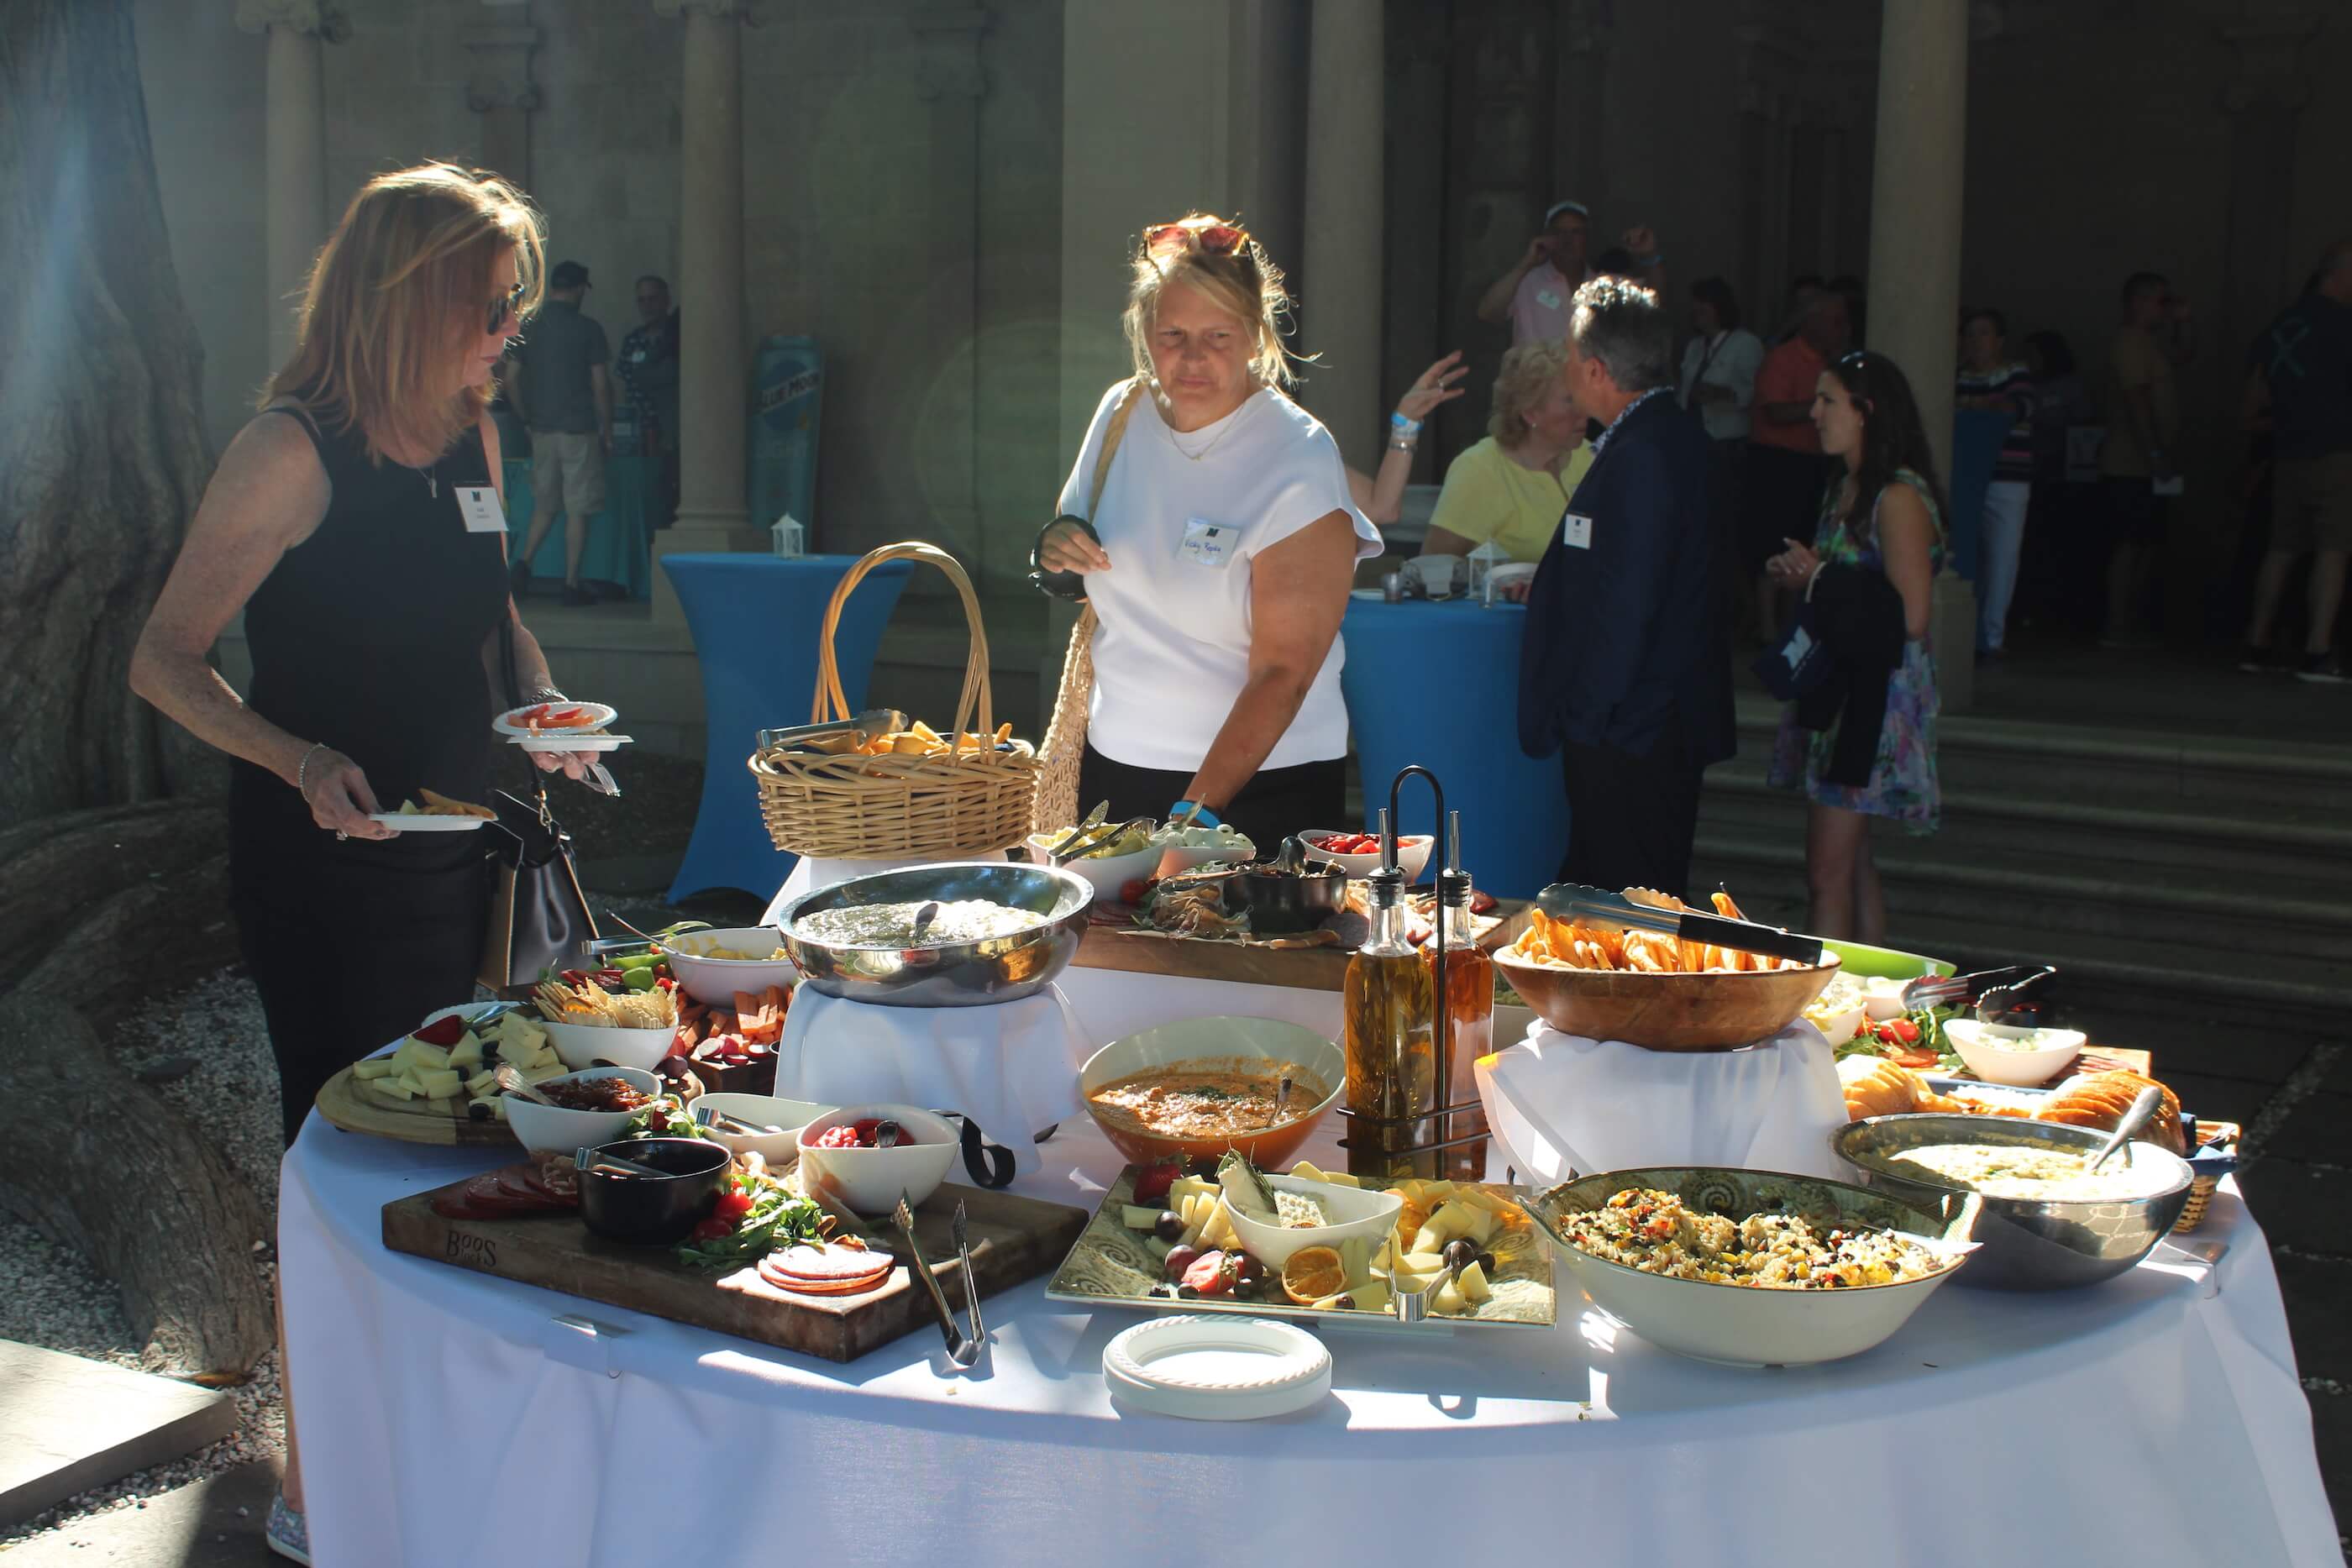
(1402, 425)
(1202, 816)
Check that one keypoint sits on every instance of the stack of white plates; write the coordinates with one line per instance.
(1217, 1368)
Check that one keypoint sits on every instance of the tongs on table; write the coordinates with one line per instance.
(963, 1345)
(1992, 992)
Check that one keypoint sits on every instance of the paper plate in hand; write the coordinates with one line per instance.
(592, 716)
(419, 822)
(564, 740)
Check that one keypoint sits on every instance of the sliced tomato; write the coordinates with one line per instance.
(1912, 1056)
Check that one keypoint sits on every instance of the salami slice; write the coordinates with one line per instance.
(846, 1286)
(830, 1261)
(451, 1206)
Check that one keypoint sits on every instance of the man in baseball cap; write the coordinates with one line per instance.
(562, 390)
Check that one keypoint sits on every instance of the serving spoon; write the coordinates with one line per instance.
(2142, 1110)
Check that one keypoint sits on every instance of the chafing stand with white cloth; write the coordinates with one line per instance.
(1011, 1068)
(1558, 1102)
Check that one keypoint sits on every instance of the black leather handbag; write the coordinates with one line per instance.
(539, 916)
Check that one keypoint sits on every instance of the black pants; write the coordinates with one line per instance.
(1781, 501)
(1277, 801)
(1631, 818)
(352, 945)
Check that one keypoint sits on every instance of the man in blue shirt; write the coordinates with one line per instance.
(648, 367)
(1625, 667)
(2303, 360)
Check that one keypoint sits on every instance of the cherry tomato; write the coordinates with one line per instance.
(733, 1206)
(842, 1137)
(713, 1229)
(1916, 1060)
(1135, 891)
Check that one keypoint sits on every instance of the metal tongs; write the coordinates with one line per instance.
(1992, 992)
(873, 721)
(1615, 911)
(963, 1345)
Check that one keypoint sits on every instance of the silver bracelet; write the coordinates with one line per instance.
(546, 694)
(302, 770)
(1404, 445)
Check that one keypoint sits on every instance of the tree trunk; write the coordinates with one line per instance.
(111, 906)
(102, 454)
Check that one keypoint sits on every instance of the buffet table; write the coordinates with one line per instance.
(1438, 684)
(449, 1418)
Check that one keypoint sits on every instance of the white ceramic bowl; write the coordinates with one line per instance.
(787, 1116)
(715, 981)
(2022, 1069)
(551, 1130)
(1745, 1325)
(1413, 853)
(869, 1181)
(1177, 859)
(1353, 1210)
(1882, 998)
(1107, 875)
(584, 1045)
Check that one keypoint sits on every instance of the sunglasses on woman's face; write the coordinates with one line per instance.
(1217, 239)
(502, 307)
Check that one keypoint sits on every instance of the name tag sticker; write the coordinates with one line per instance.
(1547, 299)
(479, 505)
(1576, 531)
(1207, 543)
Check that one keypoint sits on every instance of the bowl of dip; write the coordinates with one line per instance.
(2046, 1226)
(960, 933)
(2021, 1057)
(1345, 1213)
(1193, 1089)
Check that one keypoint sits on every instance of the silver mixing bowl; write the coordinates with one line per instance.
(958, 974)
(2027, 1244)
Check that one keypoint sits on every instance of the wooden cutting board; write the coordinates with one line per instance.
(344, 1101)
(1013, 1239)
(1134, 951)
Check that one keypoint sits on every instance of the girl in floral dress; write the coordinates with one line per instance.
(1885, 515)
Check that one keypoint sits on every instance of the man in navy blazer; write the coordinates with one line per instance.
(1626, 667)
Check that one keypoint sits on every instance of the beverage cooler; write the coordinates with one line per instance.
(787, 386)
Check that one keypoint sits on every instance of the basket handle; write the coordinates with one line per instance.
(975, 667)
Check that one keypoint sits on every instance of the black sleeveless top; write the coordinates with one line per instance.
(369, 635)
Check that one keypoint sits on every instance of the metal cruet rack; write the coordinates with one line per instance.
(1389, 881)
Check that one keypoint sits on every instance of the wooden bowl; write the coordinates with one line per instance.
(1668, 1013)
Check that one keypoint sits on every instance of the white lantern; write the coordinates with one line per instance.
(791, 535)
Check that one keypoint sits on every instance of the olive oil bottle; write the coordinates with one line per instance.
(1390, 1010)
(1466, 1015)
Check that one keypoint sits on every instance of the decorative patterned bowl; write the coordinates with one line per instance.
(1753, 1325)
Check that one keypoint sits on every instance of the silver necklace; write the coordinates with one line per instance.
(432, 480)
(1231, 420)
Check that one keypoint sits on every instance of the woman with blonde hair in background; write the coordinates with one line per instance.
(1218, 555)
(1513, 487)
(356, 523)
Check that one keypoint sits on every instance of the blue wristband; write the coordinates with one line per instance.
(1202, 816)
(1402, 425)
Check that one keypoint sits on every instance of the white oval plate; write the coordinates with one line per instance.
(423, 824)
(1217, 1368)
(600, 715)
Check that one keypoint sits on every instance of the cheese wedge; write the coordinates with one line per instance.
(372, 1067)
(441, 1083)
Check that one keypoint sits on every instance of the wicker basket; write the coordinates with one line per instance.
(2193, 1213)
(901, 807)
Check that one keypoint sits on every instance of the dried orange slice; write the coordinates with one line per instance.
(1313, 1273)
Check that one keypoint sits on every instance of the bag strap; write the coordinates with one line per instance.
(1113, 433)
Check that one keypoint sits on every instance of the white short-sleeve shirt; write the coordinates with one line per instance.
(1171, 650)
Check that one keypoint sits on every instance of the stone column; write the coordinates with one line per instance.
(294, 151)
(1914, 256)
(949, 77)
(499, 87)
(713, 351)
(1346, 84)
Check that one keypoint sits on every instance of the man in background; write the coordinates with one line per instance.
(1536, 295)
(565, 395)
(1624, 667)
(2305, 362)
(2136, 458)
(648, 367)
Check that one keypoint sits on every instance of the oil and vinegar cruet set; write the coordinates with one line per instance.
(1417, 1021)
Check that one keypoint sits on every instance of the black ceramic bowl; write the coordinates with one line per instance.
(1278, 905)
(653, 1211)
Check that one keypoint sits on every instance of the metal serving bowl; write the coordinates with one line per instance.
(2028, 1244)
(953, 975)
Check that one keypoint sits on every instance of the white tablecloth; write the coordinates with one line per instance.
(449, 1418)
(1559, 1102)
(1013, 1068)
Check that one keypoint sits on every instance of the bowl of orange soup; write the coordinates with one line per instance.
(1193, 1089)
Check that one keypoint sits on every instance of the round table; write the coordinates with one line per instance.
(756, 620)
(1438, 684)
(451, 1418)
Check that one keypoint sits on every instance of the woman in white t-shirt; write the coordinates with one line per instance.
(1219, 558)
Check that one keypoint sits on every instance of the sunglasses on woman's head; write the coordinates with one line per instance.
(1217, 239)
(503, 307)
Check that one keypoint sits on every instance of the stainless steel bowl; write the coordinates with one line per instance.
(957, 975)
(2027, 1244)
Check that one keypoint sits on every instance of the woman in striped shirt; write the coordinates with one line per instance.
(1989, 379)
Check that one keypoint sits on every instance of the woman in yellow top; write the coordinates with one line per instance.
(1513, 487)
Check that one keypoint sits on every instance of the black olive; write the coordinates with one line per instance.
(1169, 1226)
(480, 1110)
(1249, 1274)
(1187, 1293)
(1461, 1252)
(1487, 1263)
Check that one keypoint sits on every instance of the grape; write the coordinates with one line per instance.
(1179, 1259)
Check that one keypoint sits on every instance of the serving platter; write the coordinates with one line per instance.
(1110, 1266)
(1013, 1239)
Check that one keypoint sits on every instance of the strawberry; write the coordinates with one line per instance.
(1152, 1182)
(443, 1032)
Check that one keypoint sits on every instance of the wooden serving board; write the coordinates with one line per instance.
(1134, 951)
(348, 1104)
(1013, 1239)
